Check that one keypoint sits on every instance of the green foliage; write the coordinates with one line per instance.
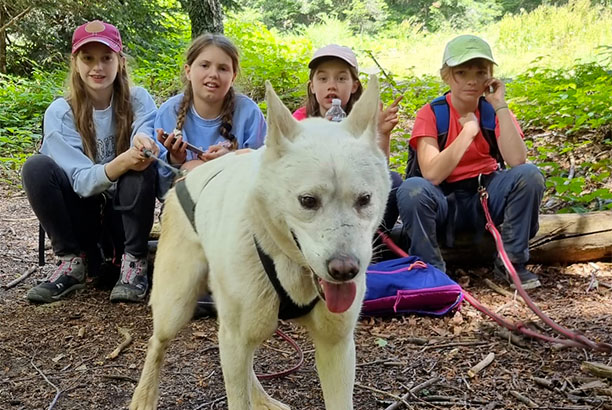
(22, 105)
(263, 56)
(43, 36)
(569, 100)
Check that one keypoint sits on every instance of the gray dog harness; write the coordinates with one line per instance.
(287, 308)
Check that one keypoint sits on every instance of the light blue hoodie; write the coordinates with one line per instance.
(63, 143)
(248, 125)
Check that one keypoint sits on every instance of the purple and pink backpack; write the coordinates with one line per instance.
(409, 285)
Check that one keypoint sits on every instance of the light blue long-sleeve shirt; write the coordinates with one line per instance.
(63, 143)
(248, 125)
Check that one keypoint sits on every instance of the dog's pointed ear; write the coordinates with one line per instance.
(281, 124)
(364, 115)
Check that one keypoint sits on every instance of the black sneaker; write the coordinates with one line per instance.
(133, 284)
(68, 277)
(529, 280)
(205, 307)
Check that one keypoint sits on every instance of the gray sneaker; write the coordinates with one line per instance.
(133, 284)
(68, 277)
(529, 280)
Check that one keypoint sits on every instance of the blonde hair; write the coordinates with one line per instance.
(446, 72)
(312, 105)
(82, 108)
(227, 109)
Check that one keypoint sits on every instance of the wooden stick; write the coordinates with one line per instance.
(543, 382)
(58, 392)
(396, 397)
(15, 19)
(20, 279)
(466, 343)
(597, 369)
(127, 339)
(481, 365)
(413, 391)
(524, 399)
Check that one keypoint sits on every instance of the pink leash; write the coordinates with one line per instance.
(571, 338)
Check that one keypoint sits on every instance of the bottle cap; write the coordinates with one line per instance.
(336, 101)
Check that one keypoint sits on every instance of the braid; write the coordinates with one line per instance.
(227, 114)
(184, 107)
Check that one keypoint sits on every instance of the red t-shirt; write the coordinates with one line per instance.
(300, 114)
(476, 160)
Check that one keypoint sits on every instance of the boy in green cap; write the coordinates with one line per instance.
(463, 140)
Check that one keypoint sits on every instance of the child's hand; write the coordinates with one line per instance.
(143, 142)
(177, 148)
(495, 91)
(214, 151)
(388, 118)
(469, 123)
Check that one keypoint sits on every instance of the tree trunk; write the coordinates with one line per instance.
(562, 238)
(206, 16)
(3, 21)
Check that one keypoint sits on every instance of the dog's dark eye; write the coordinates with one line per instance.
(309, 202)
(363, 200)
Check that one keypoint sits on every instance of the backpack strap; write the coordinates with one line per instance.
(441, 111)
(487, 126)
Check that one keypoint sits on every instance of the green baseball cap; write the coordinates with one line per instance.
(464, 48)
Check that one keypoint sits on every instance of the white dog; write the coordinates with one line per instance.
(309, 203)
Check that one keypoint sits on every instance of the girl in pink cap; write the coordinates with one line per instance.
(334, 73)
(92, 175)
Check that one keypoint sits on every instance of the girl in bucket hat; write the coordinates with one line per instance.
(441, 195)
(334, 73)
(92, 174)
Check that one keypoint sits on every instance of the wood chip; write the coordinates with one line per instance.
(481, 365)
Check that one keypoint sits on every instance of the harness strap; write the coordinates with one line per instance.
(287, 309)
(186, 201)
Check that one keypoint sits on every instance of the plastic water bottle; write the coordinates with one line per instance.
(335, 113)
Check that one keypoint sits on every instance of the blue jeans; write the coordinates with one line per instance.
(514, 202)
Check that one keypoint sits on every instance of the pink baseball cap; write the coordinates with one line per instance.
(97, 31)
(334, 50)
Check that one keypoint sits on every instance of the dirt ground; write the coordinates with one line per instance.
(55, 356)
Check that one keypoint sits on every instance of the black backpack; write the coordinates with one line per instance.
(441, 111)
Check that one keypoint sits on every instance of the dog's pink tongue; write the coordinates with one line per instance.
(339, 296)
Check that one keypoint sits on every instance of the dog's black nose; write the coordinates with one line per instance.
(343, 267)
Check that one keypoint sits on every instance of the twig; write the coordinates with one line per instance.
(375, 390)
(127, 339)
(524, 399)
(15, 19)
(20, 279)
(210, 403)
(597, 369)
(58, 392)
(391, 81)
(503, 291)
(470, 343)
(33, 218)
(543, 382)
(481, 365)
(413, 391)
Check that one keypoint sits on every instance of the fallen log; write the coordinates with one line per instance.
(562, 238)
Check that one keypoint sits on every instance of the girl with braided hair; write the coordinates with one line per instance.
(209, 114)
